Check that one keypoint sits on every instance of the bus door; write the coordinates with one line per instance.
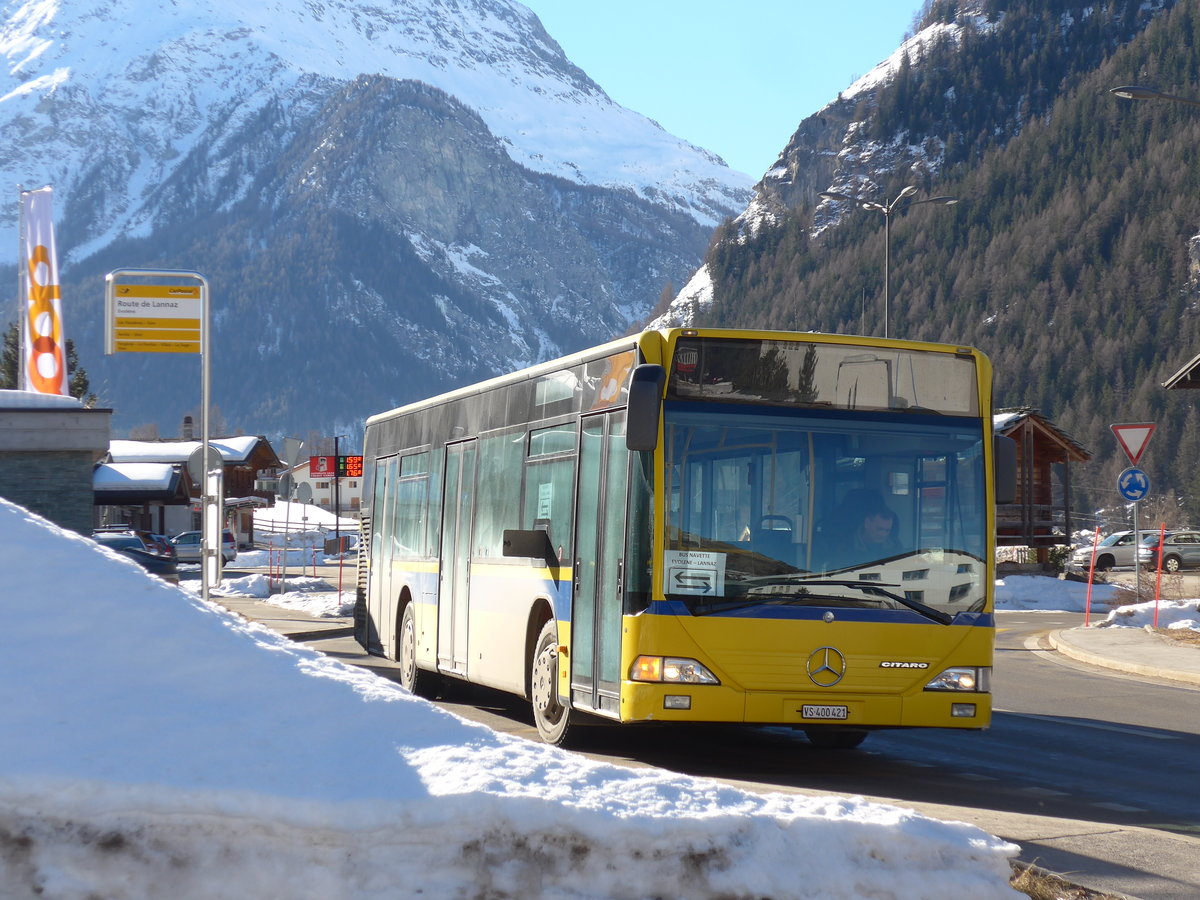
(458, 504)
(599, 564)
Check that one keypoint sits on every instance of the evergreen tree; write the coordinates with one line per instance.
(10, 358)
(10, 369)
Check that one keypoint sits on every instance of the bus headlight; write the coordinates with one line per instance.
(977, 679)
(673, 669)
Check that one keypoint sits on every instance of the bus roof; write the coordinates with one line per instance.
(652, 343)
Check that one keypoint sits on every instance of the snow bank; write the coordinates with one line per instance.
(152, 745)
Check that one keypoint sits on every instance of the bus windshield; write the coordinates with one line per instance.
(774, 507)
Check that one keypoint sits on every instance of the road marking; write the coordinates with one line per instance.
(975, 776)
(1044, 792)
(1119, 807)
(1099, 726)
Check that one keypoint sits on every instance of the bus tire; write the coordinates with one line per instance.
(418, 681)
(835, 738)
(551, 717)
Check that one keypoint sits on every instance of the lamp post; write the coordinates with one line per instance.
(1133, 92)
(887, 209)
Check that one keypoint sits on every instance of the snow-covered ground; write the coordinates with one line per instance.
(1110, 605)
(154, 746)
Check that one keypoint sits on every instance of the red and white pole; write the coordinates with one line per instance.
(1087, 613)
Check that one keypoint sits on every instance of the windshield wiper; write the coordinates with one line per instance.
(802, 597)
(867, 587)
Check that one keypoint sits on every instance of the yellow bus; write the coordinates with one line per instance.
(697, 525)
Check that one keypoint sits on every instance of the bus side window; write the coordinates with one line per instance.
(498, 503)
(548, 502)
(549, 485)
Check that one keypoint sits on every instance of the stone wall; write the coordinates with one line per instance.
(46, 460)
(56, 484)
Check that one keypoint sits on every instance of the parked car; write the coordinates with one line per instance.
(1114, 550)
(155, 543)
(1180, 550)
(163, 543)
(132, 545)
(187, 546)
(1111, 552)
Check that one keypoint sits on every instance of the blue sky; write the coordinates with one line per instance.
(733, 76)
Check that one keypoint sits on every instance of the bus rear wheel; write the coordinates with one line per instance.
(835, 738)
(550, 716)
(422, 683)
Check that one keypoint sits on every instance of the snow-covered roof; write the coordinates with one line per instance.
(34, 400)
(232, 449)
(1006, 420)
(133, 477)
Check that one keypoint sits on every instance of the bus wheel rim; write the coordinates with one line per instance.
(544, 696)
(408, 655)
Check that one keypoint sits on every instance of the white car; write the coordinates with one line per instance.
(187, 546)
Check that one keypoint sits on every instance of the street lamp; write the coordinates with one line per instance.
(887, 209)
(1134, 92)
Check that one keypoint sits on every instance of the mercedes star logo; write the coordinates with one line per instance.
(826, 666)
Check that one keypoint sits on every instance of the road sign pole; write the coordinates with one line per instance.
(1137, 546)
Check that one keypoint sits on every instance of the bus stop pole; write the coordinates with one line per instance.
(205, 500)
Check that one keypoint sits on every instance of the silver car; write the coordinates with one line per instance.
(1115, 550)
(187, 546)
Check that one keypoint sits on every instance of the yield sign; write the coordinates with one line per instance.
(1133, 439)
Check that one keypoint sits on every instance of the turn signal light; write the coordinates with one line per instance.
(671, 669)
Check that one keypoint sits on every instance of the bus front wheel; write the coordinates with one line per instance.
(422, 683)
(550, 716)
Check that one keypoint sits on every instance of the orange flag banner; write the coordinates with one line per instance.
(44, 355)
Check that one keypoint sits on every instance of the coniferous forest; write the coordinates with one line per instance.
(1066, 258)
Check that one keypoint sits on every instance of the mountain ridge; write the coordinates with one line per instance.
(1067, 259)
(303, 156)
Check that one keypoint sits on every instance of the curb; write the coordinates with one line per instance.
(1066, 648)
(303, 636)
(1061, 882)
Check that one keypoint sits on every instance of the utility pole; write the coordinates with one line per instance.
(337, 495)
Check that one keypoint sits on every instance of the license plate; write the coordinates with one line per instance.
(813, 711)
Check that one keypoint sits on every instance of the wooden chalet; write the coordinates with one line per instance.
(1041, 516)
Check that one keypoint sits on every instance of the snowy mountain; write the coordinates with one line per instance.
(952, 83)
(190, 134)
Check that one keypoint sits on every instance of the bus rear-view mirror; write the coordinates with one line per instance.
(645, 406)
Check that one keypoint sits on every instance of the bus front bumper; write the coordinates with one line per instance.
(716, 703)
